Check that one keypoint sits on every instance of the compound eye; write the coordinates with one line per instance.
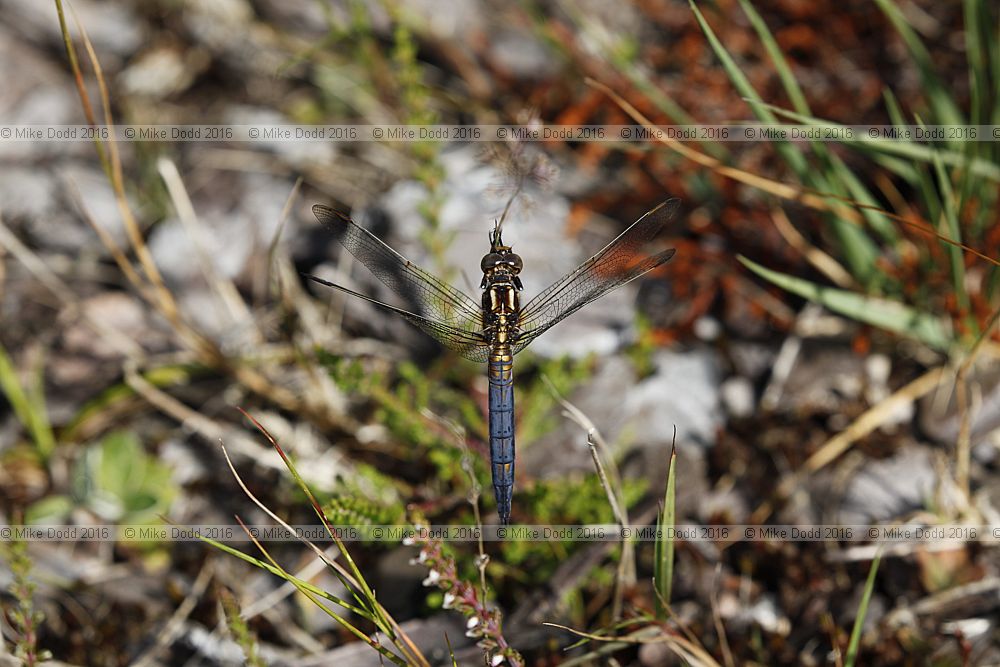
(515, 262)
(490, 261)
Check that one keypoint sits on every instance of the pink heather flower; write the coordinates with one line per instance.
(496, 660)
(449, 600)
(432, 578)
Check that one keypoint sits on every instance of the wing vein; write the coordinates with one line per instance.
(608, 269)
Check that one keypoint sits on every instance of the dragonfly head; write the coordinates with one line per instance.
(500, 257)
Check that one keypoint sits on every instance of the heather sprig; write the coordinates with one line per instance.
(24, 618)
(484, 622)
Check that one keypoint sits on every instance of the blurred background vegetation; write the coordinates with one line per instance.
(823, 341)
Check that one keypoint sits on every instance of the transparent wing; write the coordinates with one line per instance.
(470, 344)
(437, 308)
(619, 262)
(427, 296)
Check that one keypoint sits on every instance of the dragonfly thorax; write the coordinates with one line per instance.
(501, 301)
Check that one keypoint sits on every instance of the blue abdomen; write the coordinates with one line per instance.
(501, 376)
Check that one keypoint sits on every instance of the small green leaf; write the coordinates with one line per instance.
(122, 463)
(117, 479)
(49, 510)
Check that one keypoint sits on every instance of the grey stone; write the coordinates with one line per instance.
(111, 27)
(447, 20)
(296, 153)
(886, 489)
(738, 396)
(98, 200)
(823, 378)
(27, 193)
(522, 55)
(161, 72)
(565, 449)
(684, 392)
(938, 412)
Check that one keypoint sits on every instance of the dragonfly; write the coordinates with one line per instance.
(497, 327)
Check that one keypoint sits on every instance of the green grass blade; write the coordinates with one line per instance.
(28, 405)
(946, 112)
(781, 66)
(790, 154)
(979, 87)
(628, 63)
(12, 389)
(837, 171)
(954, 231)
(858, 248)
(859, 620)
(663, 559)
(264, 565)
(882, 225)
(897, 147)
(976, 23)
(41, 428)
(892, 316)
(924, 182)
(984, 103)
(361, 590)
(313, 594)
(912, 151)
